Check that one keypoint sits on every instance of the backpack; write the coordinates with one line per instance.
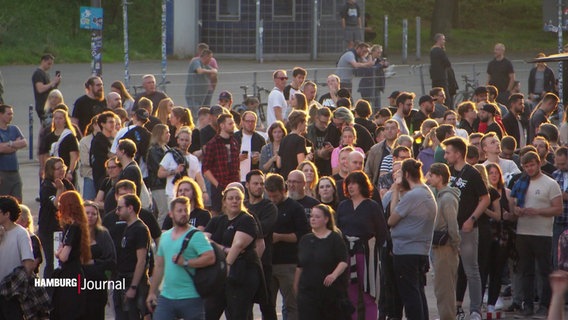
(179, 158)
(207, 280)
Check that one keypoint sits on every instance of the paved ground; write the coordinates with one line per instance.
(18, 92)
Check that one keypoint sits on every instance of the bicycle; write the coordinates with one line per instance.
(260, 109)
(467, 94)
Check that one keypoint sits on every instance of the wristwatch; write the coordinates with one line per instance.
(473, 218)
(186, 263)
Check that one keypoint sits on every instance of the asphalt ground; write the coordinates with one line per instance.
(232, 75)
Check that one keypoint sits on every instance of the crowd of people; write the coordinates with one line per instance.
(341, 207)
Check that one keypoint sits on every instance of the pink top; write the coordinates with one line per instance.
(335, 156)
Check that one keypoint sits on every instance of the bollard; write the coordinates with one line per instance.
(404, 40)
(418, 31)
(31, 131)
(386, 34)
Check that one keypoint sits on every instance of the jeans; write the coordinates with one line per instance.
(410, 271)
(531, 249)
(187, 309)
(556, 232)
(89, 192)
(468, 272)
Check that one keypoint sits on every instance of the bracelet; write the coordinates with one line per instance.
(10, 143)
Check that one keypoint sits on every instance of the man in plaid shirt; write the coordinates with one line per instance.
(221, 160)
(561, 221)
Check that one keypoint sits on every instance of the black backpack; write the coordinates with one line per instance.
(210, 279)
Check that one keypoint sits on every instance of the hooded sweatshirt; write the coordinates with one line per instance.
(447, 218)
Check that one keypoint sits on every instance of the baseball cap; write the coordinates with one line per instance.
(425, 98)
(394, 94)
(142, 114)
(489, 107)
(215, 110)
(225, 95)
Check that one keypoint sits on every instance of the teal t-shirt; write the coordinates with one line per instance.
(177, 284)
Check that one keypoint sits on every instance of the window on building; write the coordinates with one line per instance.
(229, 10)
(283, 9)
(327, 8)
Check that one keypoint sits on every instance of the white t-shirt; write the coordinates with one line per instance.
(245, 164)
(539, 195)
(508, 167)
(14, 248)
(119, 136)
(401, 124)
(169, 163)
(275, 99)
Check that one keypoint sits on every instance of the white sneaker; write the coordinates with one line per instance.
(474, 316)
(499, 304)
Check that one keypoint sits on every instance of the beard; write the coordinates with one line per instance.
(181, 222)
(295, 195)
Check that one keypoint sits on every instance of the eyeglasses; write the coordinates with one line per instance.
(123, 242)
(118, 208)
(282, 78)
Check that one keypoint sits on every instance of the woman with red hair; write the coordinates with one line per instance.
(74, 250)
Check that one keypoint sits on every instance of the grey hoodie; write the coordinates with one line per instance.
(447, 217)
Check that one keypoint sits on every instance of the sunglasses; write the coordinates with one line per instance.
(282, 78)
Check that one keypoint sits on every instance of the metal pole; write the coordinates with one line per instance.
(420, 69)
(315, 31)
(125, 34)
(560, 67)
(386, 34)
(31, 131)
(418, 34)
(97, 46)
(261, 41)
(404, 40)
(258, 31)
(164, 63)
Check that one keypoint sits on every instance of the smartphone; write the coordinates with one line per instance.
(245, 152)
(58, 73)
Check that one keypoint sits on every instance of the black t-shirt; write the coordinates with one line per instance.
(132, 172)
(266, 214)
(86, 108)
(197, 218)
(135, 236)
(494, 127)
(36, 249)
(317, 138)
(484, 219)
(206, 134)
(319, 258)
(47, 220)
(116, 226)
(72, 238)
(141, 137)
(40, 98)
(308, 203)
(223, 230)
(98, 155)
(155, 97)
(292, 145)
(366, 221)
(499, 71)
(69, 144)
(469, 181)
(291, 219)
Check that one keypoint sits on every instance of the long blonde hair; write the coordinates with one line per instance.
(47, 106)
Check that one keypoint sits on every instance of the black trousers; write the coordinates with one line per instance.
(410, 271)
